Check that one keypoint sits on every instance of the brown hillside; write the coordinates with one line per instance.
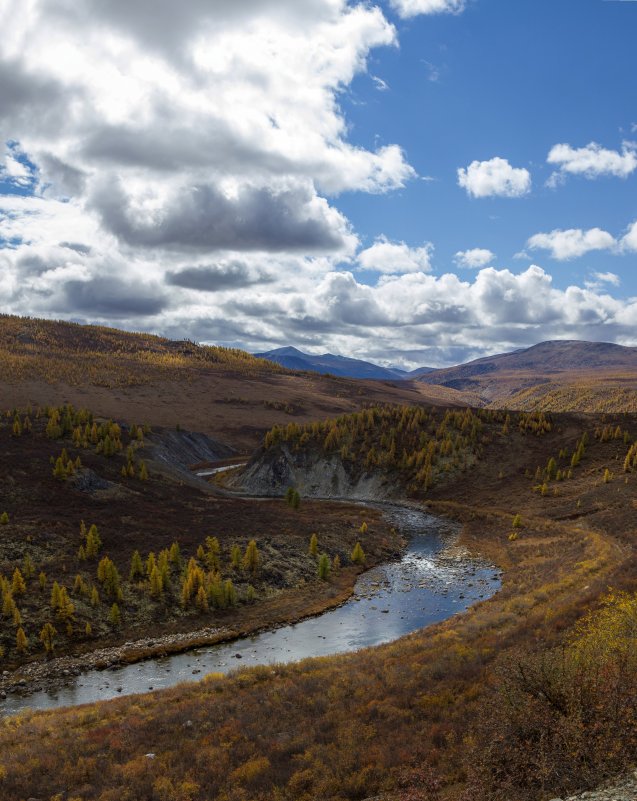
(562, 375)
(226, 393)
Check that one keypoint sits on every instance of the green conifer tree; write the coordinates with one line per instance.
(323, 570)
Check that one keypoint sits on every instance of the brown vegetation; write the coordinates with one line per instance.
(223, 392)
(87, 527)
(404, 719)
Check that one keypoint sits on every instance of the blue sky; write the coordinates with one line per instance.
(510, 79)
(412, 182)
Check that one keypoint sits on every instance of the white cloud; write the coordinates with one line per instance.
(494, 178)
(187, 158)
(591, 161)
(629, 240)
(237, 101)
(380, 84)
(396, 257)
(474, 258)
(412, 8)
(599, 279)
(607, 278)
(433, 72)
(572, 243)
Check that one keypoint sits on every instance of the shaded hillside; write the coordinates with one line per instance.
(226, 393)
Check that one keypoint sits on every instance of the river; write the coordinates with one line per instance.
(434, 579)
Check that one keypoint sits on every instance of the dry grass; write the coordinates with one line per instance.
(365, 724)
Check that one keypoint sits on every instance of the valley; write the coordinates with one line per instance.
(546, 498)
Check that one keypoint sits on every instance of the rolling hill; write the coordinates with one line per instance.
(558, 375)
(225, 393)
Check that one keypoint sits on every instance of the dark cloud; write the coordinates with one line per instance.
(113, 298)
(214, 279)
(203, 219)
(32, 264)
(78, 247)
(65, 179)
(23, 93)
(205, 142)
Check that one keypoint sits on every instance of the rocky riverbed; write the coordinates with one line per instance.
(61, 671)
(434, 578)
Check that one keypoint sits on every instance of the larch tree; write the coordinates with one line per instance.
(115, 616)
(136, 566)
(21, 640)
(323, 570)
(47, 637)
(251, 557)
(358, 555)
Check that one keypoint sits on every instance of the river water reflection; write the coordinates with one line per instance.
(433, 580)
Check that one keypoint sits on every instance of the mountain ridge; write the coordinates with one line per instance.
(328, 363)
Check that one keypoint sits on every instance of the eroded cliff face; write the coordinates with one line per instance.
(313, 475)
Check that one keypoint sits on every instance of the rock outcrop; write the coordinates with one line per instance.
(312, 475)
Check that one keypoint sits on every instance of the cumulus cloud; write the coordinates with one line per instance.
(187, 158)
(598, 280)
(111, 297)
(494, 178)
(607, 278)
(235, 102)
(412, 8)
(572, 243)
(396, 257)
(217, 278)
(203, 218)
(591, 161)
(496, 310)
(629, 240)
(474, 258)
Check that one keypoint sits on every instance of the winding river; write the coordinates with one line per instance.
(434, 579)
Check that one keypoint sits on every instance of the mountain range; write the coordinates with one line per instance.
(552, 356)
(328, 363)
(553, 375)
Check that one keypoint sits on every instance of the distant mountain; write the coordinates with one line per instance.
(511, 376)
(294, 359)
(553, 356)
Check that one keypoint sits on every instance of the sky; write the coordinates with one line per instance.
(412, 182)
